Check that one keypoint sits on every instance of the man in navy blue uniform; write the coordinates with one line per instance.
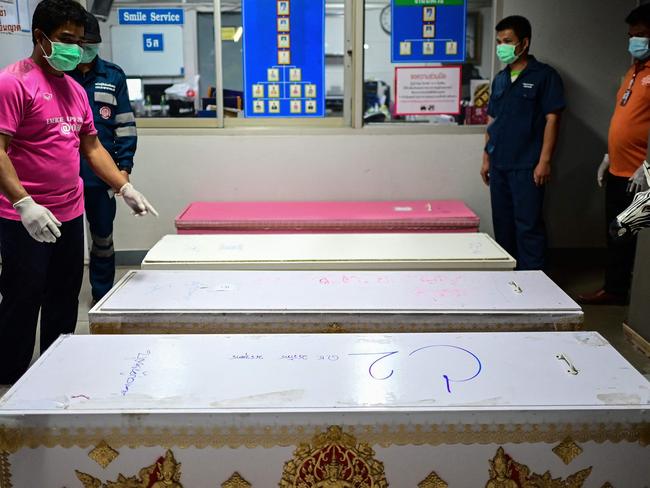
(105, 84)
(524, 120)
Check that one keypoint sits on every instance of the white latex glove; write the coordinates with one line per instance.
(602, 169)
(638, 181)
(39, 221)
(136, 201)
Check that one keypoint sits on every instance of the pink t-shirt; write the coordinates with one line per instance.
(45, 115)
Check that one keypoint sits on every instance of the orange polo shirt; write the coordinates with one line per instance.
(630, 125)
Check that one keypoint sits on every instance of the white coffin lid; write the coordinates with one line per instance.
(444, 372)
(369, 251)
(294, 292)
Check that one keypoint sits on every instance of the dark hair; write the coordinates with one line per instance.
(520, 25)
(52, 14)
(640, 15)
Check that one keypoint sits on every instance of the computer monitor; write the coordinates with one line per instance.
(135, 88)
(101, 9)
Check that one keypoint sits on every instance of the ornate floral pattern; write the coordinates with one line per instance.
(11, 440)
(5, 470)
(334, 459)
(164, 473)
(103, 454)
(236, 481)
(433, 481)
(567, 450)
(505, 472)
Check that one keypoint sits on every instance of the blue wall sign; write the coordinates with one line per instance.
(152, 42)
(424, 31)
(284, 58)
(151, 16)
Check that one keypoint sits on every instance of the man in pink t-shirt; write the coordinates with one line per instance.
(45, 121)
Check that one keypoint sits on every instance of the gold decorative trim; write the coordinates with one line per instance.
(5, 470)
(103, 454)
(505, 472)
(108, 328)
(165, 472)
(433, 481)
(11, 440)
(336, 328)
(236, 481)
(333, 459)
(88, 481)
(567, 450)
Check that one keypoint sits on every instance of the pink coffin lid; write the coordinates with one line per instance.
(378, 216)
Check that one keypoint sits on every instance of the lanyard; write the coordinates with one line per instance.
(628, 92)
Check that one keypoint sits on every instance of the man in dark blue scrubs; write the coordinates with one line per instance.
(525, 106)
(105, 85)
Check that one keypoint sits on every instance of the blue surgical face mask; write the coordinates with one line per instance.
(640, 48)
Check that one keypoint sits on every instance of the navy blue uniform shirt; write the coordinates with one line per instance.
(108, 95)
(519, 111)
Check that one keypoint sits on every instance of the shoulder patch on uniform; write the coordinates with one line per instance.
(105, 112)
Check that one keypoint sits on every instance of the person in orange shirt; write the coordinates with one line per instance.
(622, 169)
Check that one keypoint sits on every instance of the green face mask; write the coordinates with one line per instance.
(64, 57)
(506, 53)
(90, 53)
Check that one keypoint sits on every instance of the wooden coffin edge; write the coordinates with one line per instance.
(636, 339)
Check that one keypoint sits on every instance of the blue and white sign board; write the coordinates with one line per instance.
(284, 58)
(151, 16)
(152, 42)
(428, 31)
(141, 50)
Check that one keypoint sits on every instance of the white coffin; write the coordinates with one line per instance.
(329, 251)
(392, 409)
(176, 301)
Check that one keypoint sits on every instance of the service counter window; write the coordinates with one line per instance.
(159, 45)
(304, 63)
(427, 74)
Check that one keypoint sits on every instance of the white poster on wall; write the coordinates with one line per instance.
(427, 90)
(15, 16)
(9, 17)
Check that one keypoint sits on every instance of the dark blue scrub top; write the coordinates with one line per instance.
(519, 111)
(108, 95)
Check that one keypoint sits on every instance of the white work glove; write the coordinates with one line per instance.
(136, 201)
(638, 181)
(602, 169)
(39, 221)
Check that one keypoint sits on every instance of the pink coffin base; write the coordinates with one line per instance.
(326, 217)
